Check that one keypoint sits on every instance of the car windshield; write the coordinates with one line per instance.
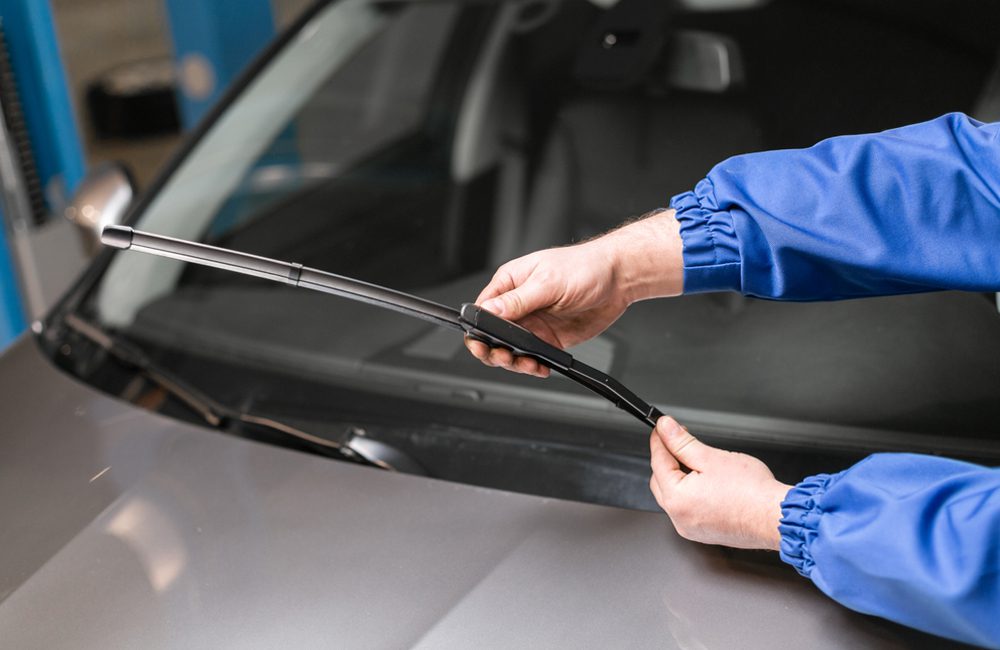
(419, 145)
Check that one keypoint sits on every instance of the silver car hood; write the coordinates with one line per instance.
(122, 528)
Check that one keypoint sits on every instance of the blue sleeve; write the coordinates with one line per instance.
(914, 539)
(903, 211)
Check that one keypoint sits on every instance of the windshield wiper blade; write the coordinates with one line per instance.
(219, 416)
(470, 319)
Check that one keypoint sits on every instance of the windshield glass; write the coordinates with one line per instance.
(419, 145)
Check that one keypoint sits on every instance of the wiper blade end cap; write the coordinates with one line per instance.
(117, 236)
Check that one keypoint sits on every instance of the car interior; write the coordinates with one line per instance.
(552, 122)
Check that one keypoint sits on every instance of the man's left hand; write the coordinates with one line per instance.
(726, 498)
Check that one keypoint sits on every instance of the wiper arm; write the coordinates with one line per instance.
(129, 355)
(218, 415)
(471, 319)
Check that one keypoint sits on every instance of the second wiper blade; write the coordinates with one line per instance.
(472, 319)
(215, 414)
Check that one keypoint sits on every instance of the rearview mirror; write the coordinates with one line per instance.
(102, 199)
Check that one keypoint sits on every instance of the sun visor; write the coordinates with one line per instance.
(622, 46)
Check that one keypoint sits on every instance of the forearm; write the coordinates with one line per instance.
(914, 539)
(646, 256)
(908, 210)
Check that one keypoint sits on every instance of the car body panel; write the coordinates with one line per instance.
(124, 528)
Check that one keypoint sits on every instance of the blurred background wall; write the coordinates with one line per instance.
(85, 82)
(96, 36)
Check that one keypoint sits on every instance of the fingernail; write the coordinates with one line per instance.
(494, 305)
(669, 426)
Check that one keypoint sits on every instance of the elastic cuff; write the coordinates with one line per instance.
(711, 249)
(800, 515)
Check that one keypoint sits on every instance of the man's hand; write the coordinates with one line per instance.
(726, 498)
(569, 295)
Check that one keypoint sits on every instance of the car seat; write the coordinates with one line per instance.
(622, 143)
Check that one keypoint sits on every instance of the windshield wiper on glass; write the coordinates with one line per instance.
(220, 416)
(470, 319)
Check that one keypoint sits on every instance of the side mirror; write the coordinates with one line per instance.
(102, 199)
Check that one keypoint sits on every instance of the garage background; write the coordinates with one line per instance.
(70, 77)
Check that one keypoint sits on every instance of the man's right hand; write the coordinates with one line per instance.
(569, 295)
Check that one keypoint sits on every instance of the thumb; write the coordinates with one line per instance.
(519, 302)
(691, 452)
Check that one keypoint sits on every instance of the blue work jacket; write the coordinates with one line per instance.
(914, 539)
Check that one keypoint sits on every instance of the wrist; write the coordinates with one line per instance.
(770, 516)
(647, 257)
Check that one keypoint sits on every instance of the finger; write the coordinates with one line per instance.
(659, 458)
(501, 282)
(687, 449)
(481, 351)
(478, 349)
(520, 301)
(654, 487)
(529, 366)
(666, 469)
(502, 357)
(525, 365)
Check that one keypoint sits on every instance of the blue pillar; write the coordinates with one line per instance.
(213, 42)
(41, 87)
(12, 319)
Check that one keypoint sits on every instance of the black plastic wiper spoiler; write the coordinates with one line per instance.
(471, 319)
